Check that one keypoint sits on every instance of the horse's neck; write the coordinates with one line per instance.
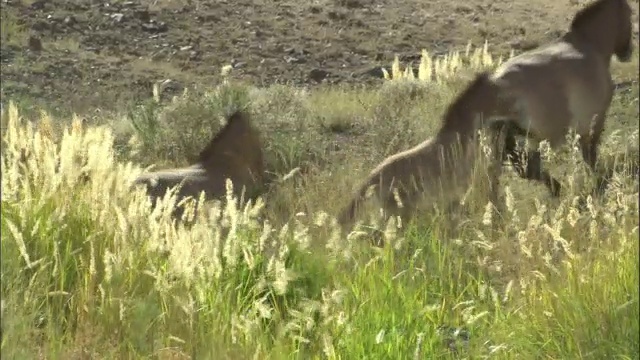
(591, 37)
(214, 155)
(460, 127)
(458, 137)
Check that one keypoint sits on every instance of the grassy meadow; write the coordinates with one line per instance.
(90, 270)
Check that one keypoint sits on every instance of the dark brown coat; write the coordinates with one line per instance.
(234, 153)
(565, 84)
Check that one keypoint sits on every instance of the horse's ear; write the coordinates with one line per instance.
(236, 118)
(237, 124)
(483, 78)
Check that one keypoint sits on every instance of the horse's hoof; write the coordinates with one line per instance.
(601, 186)
(555, 189)
(377, 238)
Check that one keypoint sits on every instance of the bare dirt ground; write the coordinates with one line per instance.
(83, 54)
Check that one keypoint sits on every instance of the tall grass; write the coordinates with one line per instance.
(90, 269)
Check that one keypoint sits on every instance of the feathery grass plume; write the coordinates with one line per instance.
(96, 233)
(446, 67)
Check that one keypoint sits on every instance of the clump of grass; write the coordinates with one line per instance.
(102, 260)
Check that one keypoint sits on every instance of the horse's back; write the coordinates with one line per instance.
(558, 63)
(193, 180)
(554, 88)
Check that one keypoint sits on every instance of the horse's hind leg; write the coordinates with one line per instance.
(497, 132)
(533, 169)
(404, 209)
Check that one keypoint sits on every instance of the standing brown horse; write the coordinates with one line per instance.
(439, 168)
(234, 153)
(565, 84)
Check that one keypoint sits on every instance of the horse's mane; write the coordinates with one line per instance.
(237, 124)
(587, 13)
(455, 114)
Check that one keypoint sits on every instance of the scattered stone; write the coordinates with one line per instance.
(159, 55)
(35, 44)
(336, 15)
(410, 58)
(117, 17)
(352, 4)
(38, 5)
(625, 85)
(375, 72)
(318, 75)
(523, 45)
(154, 27)
(142, 15)
(40, 321)
(314, 9)
(207, 18)
(70, 21)
(170, 88)
(40, 25)
(294, 60)
(294, 51)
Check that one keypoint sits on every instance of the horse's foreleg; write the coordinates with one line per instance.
(589, 146)
(494, 169)
(533, 169)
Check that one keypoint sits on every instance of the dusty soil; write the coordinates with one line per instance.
(84, 54)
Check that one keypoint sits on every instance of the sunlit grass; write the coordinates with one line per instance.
(90, 269)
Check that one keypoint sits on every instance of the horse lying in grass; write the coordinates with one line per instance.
(234, 153)
(565, 84)
(439, 168)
